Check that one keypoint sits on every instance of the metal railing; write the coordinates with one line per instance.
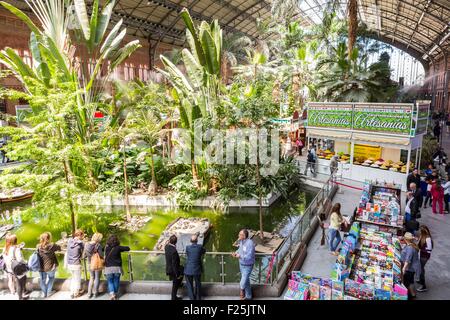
(295, 238)
(219, 267)
(321, 172)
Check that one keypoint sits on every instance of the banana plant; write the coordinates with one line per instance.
(101, 47)
(198, 89)
(51, 47)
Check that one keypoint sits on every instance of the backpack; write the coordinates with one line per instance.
(34, 263)
(97, 262)
(18, 267)
(310, 157)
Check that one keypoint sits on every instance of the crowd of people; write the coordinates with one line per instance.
(107, 259)
(193, 268)
(44, 260)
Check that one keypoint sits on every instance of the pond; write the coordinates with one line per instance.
(280, 217)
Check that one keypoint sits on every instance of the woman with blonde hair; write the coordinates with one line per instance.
(93, 247)
(49, 263)
(11, 252)
(410, 264)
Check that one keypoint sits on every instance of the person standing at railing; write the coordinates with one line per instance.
(246, 256)
(333, 164)
(46, 251)
(193, 268)
(113, 265)
(15, 267)
(173, 267)
(75, 246)
(92, 248)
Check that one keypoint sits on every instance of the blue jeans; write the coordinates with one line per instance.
(334, 238)
(245, 280)
(407, 217)
(47, 287)
(113, 282)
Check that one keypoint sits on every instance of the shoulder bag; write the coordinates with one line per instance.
(18, 267)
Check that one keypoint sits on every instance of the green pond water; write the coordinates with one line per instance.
(280, 217)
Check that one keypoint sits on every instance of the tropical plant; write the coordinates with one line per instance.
(197, 91)
(53, 79)
(284, 10)
(347, 79)
(147, 121)
(233, 52)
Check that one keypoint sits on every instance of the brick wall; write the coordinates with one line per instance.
(15, 34)
(438, 73)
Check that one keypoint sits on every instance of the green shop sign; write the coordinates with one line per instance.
(330, 116)
(391, 119)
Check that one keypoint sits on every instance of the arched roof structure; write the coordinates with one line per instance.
(419, 27)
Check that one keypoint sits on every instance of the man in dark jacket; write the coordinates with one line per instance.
(413, 177)
(193, 268)
(417, 194)
(173, 268)
(437, 131)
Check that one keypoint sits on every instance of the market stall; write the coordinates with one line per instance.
(372, 141)
(290, 129)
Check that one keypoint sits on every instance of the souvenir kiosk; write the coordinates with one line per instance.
(373, 140)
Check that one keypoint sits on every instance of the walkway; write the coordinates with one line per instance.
(319, 261)
(65, 295)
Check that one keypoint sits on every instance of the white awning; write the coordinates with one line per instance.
(330, 134)
(403, 141)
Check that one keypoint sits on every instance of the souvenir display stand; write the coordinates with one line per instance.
(380, 206)
(367, 268)
(372, 141)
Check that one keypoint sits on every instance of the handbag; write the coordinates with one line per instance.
(18, 267)
(97, 262)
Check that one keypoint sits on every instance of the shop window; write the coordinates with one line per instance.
(3, 105)
(27, 58)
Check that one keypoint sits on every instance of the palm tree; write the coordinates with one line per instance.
(346, 78)
(233, 52)
(352, 25)
(284, 10)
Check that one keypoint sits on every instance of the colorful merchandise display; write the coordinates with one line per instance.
(377, 260)
(380, 205)
(306, 287)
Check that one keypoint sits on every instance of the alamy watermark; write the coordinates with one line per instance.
(231, 146)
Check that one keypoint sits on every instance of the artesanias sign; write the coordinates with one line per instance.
(379, 118)
(330, 116)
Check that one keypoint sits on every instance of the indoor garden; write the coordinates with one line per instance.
(86, 134)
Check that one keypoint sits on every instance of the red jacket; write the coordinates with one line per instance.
(437, 193)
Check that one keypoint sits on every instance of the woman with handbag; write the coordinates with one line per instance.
(16, 267)
(93, 251)
(113, 265)
(46, 251)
